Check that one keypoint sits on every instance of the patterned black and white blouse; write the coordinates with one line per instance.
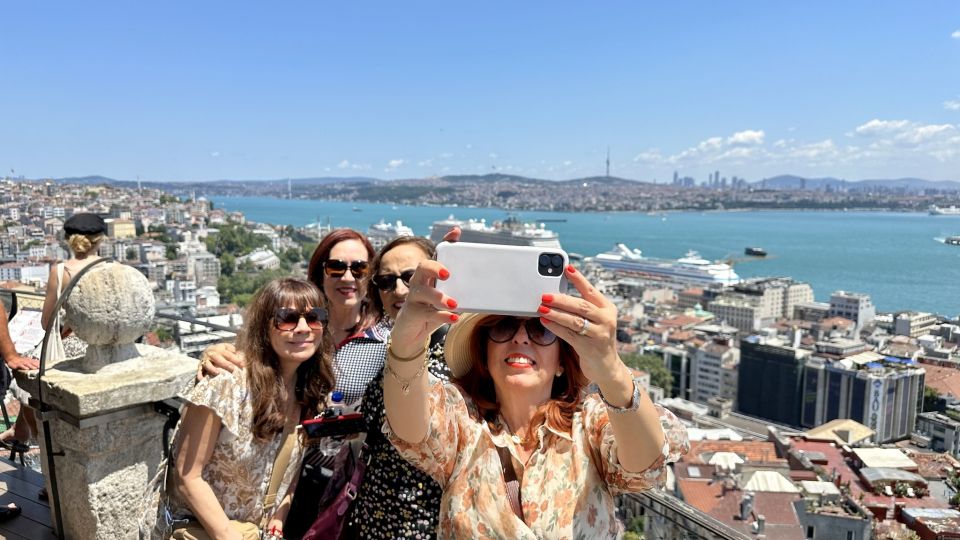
(358, 360)
(395, 499)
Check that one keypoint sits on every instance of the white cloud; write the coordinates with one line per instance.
(747, 137)
(426, 163)
(353, 166)
(652, 155)
(879, 127)
(567, 163)
(952, 105)
(394, 163)
(215, 154)
(955, 34)
(493, 155)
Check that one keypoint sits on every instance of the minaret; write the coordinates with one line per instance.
(608, 162)
(289, 188)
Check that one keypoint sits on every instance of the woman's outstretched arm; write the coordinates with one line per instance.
(405, 379)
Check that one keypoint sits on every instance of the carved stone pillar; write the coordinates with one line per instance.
(106, 436)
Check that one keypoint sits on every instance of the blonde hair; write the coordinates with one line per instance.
(82, 243)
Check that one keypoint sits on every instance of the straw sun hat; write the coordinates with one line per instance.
(456, 348)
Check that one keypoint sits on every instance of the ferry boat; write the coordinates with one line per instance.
(755, 252)
(952, 240)
(510, 232)
(691, 268)
(381, 233)
(945, 211)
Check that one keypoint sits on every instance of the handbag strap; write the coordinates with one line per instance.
(510, 479)
(279, 468)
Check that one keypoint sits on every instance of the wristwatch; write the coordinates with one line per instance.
(632, 406)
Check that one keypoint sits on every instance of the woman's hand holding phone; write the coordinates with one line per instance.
(588, 324)
(425, 308)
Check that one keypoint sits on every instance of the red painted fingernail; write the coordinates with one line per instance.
(543, 309)
(546, 299)
(454, 318)
(571, 269)
(451, 303)
(444, 273)
(544, 320)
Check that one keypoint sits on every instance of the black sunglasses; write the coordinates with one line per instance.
(503, 331)
(287, 319)
(337, 268)
(388, 282)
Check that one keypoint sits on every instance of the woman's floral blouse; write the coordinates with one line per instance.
(240, 468)
(567, 487)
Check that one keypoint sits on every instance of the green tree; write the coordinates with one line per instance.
(172, 251)
(235, 239)
(132, 254)
(652, 364)
(930, 399)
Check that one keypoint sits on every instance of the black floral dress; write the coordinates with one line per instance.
(395, 499)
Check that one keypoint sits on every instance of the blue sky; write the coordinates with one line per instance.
(208, 90)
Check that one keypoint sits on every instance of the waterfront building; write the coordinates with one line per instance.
(714, 370)
(770, 379)
(811, 311)
(943, 432)
(743, 312)
(882, 393)
(205, 267)
(915, 323)
(677, 360)
(778, 296)
(121, 228)
(757, 303)
(25, 272)
(857, 307)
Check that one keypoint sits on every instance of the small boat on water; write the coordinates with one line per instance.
(935, 210)
(952, 240)
(755, 252)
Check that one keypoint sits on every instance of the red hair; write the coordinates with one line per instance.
(322, 253)
(565, 396)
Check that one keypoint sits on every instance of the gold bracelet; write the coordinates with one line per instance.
(405, 384)
(402, 359)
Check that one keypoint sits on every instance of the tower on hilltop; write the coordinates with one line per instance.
(608, 162)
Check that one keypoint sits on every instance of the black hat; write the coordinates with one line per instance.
(84, 224)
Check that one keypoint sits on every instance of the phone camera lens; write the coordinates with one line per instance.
(556, 261)
(544, 259)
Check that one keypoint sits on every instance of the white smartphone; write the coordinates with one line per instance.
(505, 280)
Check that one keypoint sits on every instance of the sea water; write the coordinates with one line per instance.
(897, 258)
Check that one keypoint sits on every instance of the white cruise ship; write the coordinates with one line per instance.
(510, 232)
(689, 269)
(381, 233)
(946, 211)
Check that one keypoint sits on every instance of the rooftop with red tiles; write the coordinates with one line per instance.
(776, 508)
(751, 451)
(944, 380)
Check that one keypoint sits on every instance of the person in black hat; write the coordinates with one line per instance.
(83, 233)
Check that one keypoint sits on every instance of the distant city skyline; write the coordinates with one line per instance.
(242, 90)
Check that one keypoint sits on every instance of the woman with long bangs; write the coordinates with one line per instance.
(236, 422)
(517, 450)
(340, 268)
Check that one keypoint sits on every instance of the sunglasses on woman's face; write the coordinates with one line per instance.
(388, 282)
(287, 319)
(504, 330)
(336, 268)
